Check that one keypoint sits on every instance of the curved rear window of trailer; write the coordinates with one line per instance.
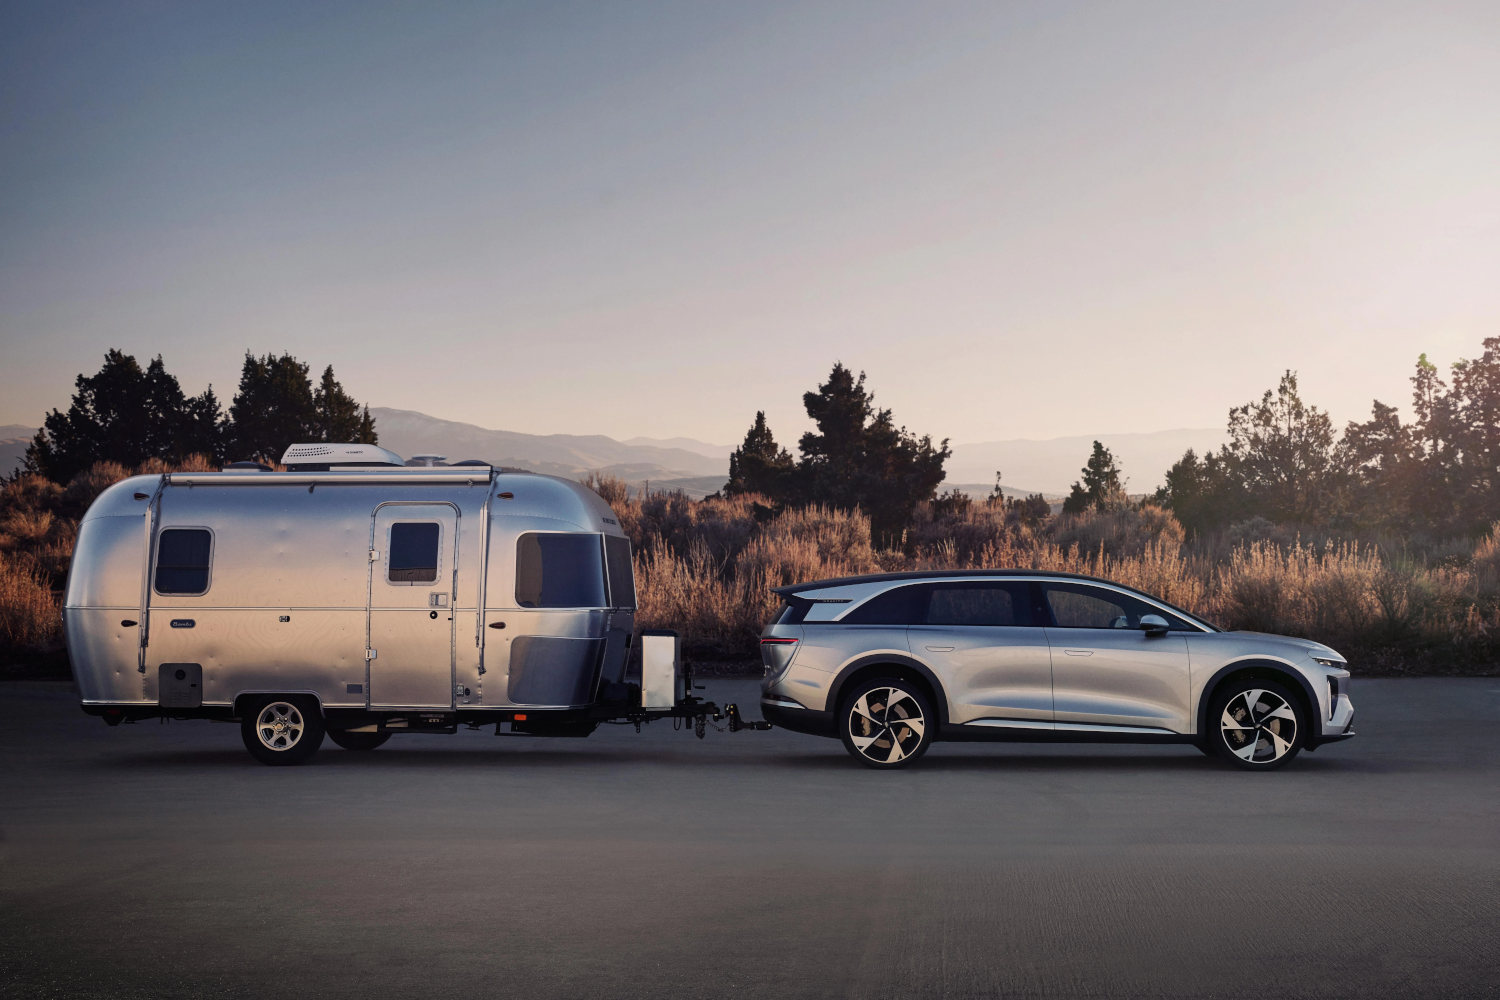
(560, 570)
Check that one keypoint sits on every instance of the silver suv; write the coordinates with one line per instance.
(891, 662)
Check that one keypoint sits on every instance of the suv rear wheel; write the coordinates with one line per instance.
(886, 722)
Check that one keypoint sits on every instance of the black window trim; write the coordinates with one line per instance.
(156, 559)
(1041, 610)
(1044, 607)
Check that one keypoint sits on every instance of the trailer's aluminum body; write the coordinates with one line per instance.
(303, 594)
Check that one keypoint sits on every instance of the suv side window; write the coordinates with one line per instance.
(973, 603)
(897, 606)
(1079, 605)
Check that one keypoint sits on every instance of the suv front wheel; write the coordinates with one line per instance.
(1255, 724)
(886, 722)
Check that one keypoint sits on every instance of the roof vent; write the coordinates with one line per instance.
(426, 461)
(318, 457)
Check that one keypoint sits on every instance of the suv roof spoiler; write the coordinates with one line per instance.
(931, 574)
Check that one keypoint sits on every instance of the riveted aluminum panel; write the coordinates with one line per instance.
(105, 654)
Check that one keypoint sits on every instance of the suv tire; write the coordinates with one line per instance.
(1255, 724)
(886, 723)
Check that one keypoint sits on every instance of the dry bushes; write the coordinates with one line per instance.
(30, 610)
(706, 569)
(38, 528)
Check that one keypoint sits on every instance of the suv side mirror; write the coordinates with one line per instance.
(1154, 625)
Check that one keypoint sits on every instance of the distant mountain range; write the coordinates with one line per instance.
(696, 467)
(1048, 467)
(677, 463)
(1051, 467)
(14, 439)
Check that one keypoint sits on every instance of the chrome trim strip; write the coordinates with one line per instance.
(780, 702)
(1012, 724)
(1080, 727)
(470, 475)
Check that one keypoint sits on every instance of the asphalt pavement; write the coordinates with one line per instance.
(157, 860)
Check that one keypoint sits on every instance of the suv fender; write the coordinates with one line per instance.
(901, 663)
(1278, 671)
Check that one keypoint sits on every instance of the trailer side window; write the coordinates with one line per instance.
(182, 560)
(621, 572)
(559, 570)
(414, 552)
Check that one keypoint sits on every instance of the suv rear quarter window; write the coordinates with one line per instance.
(960, 603)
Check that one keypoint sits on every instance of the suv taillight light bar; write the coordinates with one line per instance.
(778, 642)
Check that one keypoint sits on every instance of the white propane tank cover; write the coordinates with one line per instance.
(661, 669)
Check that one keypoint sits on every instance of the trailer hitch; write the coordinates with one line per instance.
(736, 723)
(691, 710)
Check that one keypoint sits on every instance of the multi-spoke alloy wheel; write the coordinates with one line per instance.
(1258, 724)
(886, 723)
(282, 730)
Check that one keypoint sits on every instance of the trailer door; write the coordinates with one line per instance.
(413, 555)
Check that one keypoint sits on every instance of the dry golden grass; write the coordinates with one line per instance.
(30, 612)
(706, 568)
(714, 586)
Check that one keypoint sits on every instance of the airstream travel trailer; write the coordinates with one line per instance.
(356, 596)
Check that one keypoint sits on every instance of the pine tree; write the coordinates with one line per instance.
(759, 465)
(1101, 487)
(272, 409)
(858, 457)
(119, 414)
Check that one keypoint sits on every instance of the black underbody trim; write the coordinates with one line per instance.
(798, 720)
(998, 734)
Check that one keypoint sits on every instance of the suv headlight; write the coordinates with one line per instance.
(1328, 661)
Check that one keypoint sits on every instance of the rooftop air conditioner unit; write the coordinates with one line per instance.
(320, 457)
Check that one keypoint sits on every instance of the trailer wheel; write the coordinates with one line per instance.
(280, 729)
(357, 741)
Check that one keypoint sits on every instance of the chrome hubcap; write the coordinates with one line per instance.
(279, 726)
(1259, 726)
(886, 725)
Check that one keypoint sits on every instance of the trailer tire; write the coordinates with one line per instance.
(282, 729)
(357, 741)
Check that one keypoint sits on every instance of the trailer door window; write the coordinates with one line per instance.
(559, 570)
(182, 560)
(621, 573)
(414, 552)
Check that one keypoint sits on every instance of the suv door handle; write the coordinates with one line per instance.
(1079, 652)
(939, 649)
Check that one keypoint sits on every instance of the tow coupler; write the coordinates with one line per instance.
(664, 692)
(690, 709)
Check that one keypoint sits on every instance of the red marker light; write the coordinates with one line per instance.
(778, 642)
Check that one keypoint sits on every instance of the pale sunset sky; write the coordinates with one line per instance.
(652, 218)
